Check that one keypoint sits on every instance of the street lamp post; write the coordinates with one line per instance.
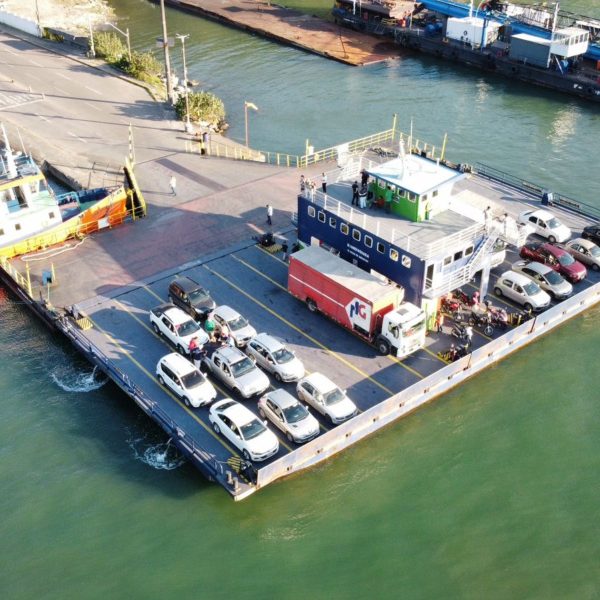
(248, 105)
(165, 42)
(126, 34)
(188, 125)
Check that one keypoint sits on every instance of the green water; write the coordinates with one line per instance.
(491, 492)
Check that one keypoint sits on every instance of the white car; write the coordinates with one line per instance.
(177, 326)
(584, 251)
(286, 413)
(240, 330)
(326, 397)
(237, 371)
(243, 429)
(546, 277)
(185, 380)
(274, 357)
(520, 289)
(545, 224)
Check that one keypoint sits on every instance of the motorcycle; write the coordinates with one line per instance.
(465, 299)
(498, 317)
(450, 305)
(463, 332)
(482, 320)
(454, 352)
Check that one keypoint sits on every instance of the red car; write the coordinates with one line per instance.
(557, 258)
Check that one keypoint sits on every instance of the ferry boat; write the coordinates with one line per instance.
(550, 49)
(32, 216)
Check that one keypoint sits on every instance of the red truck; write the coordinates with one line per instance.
(357, 300)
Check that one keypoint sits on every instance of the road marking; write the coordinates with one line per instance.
(10, 51)
(76, 137)
(145, 287)
(42, 117)
(63, 75)
(87, 87)
(33, 62)
(389, 356)
(61, 91)
(147, 373)
(297, 329)
(258, 247)
(433, 354)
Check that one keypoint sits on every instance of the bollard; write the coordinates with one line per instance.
(236, 484)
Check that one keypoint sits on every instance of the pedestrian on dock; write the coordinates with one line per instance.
(364, 177)
(269, 214)
(209, 326)
(302, 184)
(469, 335)
(355, 193)
(324, 183)
(284, 249)
(173, 184)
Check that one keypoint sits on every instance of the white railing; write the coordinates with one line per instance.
(426, 390)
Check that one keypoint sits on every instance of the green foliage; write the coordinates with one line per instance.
(109, 46)
(204, 106)
(143, 66)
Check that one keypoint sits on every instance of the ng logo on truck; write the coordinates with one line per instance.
(359, 313)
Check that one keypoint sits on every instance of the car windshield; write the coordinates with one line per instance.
(554, 223)
(241, 367)
(237, 323)
(566, 259)
(531, 288)
(252, 429)
(333, 397)
(198, 296)
(187, 328)
(295, 413)
(553, 278)
(595, 251)
(283, 355)
(192, 379)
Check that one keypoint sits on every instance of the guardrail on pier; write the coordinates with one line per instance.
(411, 398)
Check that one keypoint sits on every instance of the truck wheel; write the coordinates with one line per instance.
(312, 305)
(383, 346)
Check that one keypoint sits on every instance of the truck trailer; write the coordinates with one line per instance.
(357, 300)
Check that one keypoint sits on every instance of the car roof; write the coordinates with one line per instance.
(516, 277)
(556, 250)
(541, 268)
(177, 315)
(187, 284)
(230, 354)
(282, 398)
(268, 341)
(582, 242)
(177, 363)
(226, 312)
(323, 383)
(540, 212)
(236, 412)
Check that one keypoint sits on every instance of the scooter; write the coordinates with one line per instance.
(462, 333)
(465, 299)
(450, 305)
(498, 317)
(481, 320)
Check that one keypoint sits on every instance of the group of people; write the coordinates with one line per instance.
(222, 336)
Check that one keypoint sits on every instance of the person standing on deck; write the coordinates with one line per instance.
(355, 193)
(324, 183)
(302, 184)
(269, 214)
(173, 184)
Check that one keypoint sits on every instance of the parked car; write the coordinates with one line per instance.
(557, 258)
(191, 297)
(520, 289)
(545, 224)
(287, 414)
(240, 330)
(185, 380)
(237, 371)
(243, 429)
(273, 356)
(326, 397)
(177, 327)
(592, 233)
(584, 251)
(546, 277)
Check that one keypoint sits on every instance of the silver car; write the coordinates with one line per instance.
(584, 251)
(546, 277)
(240, 330)
(326, 397)
(274, 357)
(288, 415)
(520, 289)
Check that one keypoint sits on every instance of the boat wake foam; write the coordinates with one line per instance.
(78, 381)
(161, 455)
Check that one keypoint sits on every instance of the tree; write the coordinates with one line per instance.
(204, 106)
